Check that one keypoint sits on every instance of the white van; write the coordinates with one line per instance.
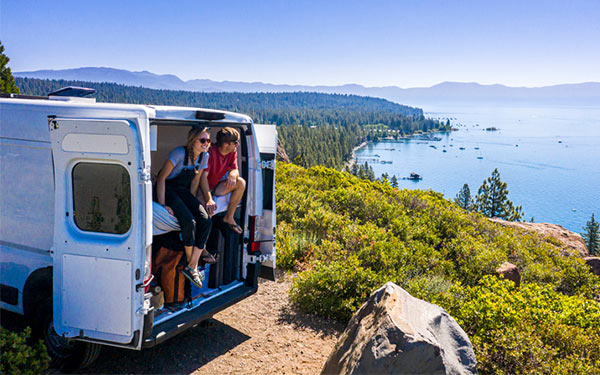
(76, 220)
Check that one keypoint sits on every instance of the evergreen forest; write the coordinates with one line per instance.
(315, 128)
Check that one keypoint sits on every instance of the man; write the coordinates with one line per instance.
(223, 176)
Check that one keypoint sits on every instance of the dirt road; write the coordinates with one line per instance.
(260, 335)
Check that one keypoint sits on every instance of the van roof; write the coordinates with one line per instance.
(157, 112)
(191, 113)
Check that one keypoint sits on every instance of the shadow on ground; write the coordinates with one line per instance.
(182, 354)
(298, 319)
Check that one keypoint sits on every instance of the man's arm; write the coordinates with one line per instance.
(211, 206)
(234, 173)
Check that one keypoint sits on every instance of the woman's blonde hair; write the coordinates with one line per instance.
(194, 134)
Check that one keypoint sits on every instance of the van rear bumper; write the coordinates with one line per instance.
(180, 323)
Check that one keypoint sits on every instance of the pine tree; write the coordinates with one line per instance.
(7, 81)
(394, 181)
(590, 236)
(492, 200)
(385, 178)
(463, 198)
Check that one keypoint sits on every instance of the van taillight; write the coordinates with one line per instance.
(253, 244)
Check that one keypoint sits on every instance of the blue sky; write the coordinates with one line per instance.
(406, 43)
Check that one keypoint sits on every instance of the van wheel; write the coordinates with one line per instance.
(66, 355)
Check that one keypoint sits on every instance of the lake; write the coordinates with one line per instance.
(549, 156)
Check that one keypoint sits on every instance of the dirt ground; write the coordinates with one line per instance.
(263, 334)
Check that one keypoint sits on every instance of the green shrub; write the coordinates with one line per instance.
(18, 357)
(293, 247)
(528, 330)
(334, 290)
(349, 236)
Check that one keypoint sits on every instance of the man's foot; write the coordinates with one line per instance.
(207, 257)
(234, 227)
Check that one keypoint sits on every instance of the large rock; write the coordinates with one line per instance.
(395, 333)
(573, 243)
(594, 263)
(510, 272)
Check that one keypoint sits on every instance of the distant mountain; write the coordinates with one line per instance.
(581, 93)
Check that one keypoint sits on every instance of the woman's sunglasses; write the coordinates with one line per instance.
(204, 140)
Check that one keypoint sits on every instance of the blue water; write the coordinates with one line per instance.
(549, 156)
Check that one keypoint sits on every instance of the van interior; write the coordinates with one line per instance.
(224, 244)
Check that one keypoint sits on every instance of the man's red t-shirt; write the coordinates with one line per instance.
(219, 164)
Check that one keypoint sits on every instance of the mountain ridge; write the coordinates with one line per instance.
(447, 91)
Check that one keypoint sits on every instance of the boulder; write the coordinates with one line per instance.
(594, 263)
(510, 272)
(395, 333)
(573, 243)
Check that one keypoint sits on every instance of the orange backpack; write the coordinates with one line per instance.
(167, 268)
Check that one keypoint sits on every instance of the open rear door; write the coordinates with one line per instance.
(98, 233)
(266, 136)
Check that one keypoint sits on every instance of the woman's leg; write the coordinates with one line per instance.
(186, 221)
(203, 226)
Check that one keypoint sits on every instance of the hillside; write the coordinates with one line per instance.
(347, 237)
(318, 129)
(581, 93)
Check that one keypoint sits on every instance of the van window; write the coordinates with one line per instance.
(268, 181)
(101, 198)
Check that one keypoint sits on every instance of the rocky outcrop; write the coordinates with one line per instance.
(510, 272)
(281, 154)
(572, 242)
(395, 333)
(594, 263)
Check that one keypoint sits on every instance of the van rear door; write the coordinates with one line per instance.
(98, 235)
(266, 136)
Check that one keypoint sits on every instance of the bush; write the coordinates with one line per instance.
(334, 290)
(528, 330)
(18, 357)
(349, 236)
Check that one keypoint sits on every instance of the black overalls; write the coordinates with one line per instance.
(192, 217)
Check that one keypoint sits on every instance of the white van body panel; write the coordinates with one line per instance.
(97, 278)
(95, 272)
(267, 144)
(28, 226)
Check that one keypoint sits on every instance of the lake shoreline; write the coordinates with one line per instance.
(539, 152)
(352, 160)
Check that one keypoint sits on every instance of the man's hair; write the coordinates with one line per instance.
(227, 134)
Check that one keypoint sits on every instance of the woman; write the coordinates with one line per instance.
(177, 185)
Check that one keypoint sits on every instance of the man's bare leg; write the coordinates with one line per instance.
(237, 192)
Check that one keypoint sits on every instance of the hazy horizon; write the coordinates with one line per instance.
(19, 73)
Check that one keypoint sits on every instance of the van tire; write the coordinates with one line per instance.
(66, 355)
